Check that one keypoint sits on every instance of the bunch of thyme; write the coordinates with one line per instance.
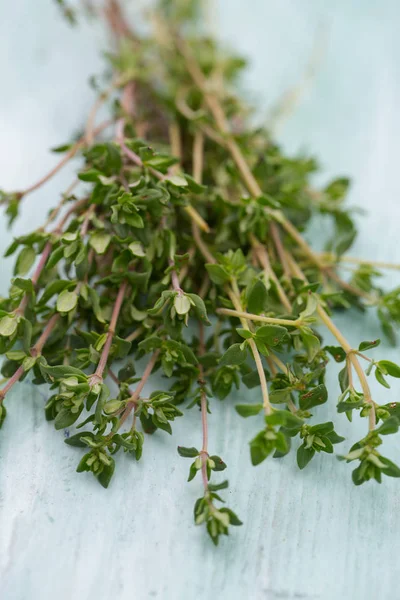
(181, 243)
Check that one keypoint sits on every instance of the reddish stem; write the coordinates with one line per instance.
(35, 351)
(133, 400)
(98, 375)
(16, 377)
(38, 347)
(70, 154)
(45, 255)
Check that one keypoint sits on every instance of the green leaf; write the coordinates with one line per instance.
(91, 175)
(244, 333)
(182, 304)
(344, 379)
(391, 470)
(380, 378)
(217, 274)
(105, 476)
(304, 455)
(25, 260)
(176, 180)
(8, 326)
(216, 487)
(137, 249)
(112, 406)
(16, 355)
(314, 397)
(194, 467)
(55, 257)
(257, 297)
(3, 414)
(389, 426)
(76, 440)
(25, 285)
(187, 452)
(271, 335)
(67, 301)
(259, 449)
(321, 428)
(27, 335)
(389, 368)
(219, 463)
(62, 371)
(235, 355)
(334, 438)
(336, 352)
(193, 186)
(368, 345)
(311, 342)
(285, 419)
(311, 306)
(66, 418)
(233, 518)
(100, 241)
(248, 410)
(199, 308)
(55, 287)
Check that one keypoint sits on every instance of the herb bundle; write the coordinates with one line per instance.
(181, 244)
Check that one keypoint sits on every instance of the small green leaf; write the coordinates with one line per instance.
(389, 368)
(368, 345)
(218, 462)
(25, 285)
(248, 410)
(380, 378)
(112, 406)
(100, 241)
(217, 274)
(3, 414)
(304, 455)
(257, 298)
(235, 355)
(137, 249)
(314, 397)
(199, 308)
(105, 476)
(390, 469)
(259, 449)
(187, 452)
(216, 487)
(311, 342)
(65, 418)
(244, 333)
(182, 304)
(8, 326)
(336, 352)
(389, 426)
(62, 371)
(177, 180)
(25, 260)
(311, 306)
(271, 335)
(66, 301)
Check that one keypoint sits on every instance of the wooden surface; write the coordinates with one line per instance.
(309, 535)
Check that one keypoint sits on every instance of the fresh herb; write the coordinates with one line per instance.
(180, 245)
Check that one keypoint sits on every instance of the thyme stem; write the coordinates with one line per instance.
(252, 317)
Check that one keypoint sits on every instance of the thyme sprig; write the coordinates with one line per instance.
(183, 245)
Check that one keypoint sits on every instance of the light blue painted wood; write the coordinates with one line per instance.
(308, 535)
